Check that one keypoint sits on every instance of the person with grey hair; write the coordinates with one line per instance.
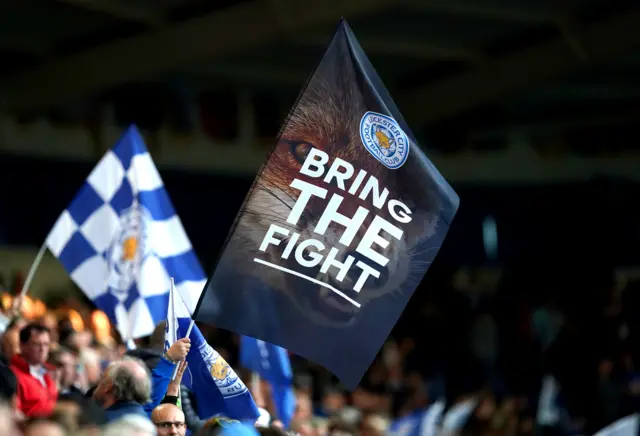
(127, 387)
(130, 425)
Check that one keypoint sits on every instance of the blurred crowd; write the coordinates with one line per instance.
(522, 360)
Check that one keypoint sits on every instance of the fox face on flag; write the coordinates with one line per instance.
(120, 240)
(340, 226)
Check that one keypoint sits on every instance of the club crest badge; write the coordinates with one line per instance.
(129, 248)
(384, 139)
(224, 377)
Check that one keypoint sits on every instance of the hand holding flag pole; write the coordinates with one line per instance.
(175, 371)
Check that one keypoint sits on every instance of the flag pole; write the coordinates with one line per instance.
(175, 371)
(172, 297)
(256, 389)
(32, 270)
(191, 324)
(172, 303)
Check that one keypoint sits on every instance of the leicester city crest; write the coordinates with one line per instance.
(384, 139)
(129, 248)
(222, 374)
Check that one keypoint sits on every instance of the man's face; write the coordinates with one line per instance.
(304, 409)
(102, 393)
(44, 429)
(169, 421)
(36, 350)
(67, 366)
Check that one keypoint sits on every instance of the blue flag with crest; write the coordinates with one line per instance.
(272, 363)
(218, 389)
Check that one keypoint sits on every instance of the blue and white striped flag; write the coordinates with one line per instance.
(120, 240)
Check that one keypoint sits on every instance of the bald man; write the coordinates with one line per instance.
(169, 420)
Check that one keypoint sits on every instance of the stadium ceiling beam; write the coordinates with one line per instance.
(220, 33)
(259, 74)
(500, 77)
(121, 10)
(557, 125)
(512, 12)
(23, 44)
(415, 49)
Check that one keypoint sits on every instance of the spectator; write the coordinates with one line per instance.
(8, 386)
(169, 420)
(189, 407)
(43, 427)
(152, 354)
(66, 364)
(374, 425)
(187, 399)
(37, 391)
(130, 425)
(50, 321)
(78, 413)
(271, 431)
(90, 363)
(7, 423)
(125, 386)
(216, 425)
(91, 417)
(11, 338)
(340, 427)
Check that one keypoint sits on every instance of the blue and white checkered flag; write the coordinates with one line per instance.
(121, 240)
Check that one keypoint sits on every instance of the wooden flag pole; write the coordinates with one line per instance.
(32, 270)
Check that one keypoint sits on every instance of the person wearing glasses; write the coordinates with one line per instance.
(169, 420)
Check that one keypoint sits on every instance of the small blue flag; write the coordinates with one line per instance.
(218, 389)
(272, 363)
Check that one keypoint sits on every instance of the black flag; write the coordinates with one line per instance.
(340, 226)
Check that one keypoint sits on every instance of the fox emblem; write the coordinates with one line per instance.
(327, 117)
(383, 140)
(220, 369)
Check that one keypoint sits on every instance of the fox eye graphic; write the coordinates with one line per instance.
(300, 150)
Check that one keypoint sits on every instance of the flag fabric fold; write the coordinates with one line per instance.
(339, 227)
(423, 423)
(218, 389)
(627, 426)
(120, 240)
(272, 364)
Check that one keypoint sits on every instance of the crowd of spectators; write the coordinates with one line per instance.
(506, 349)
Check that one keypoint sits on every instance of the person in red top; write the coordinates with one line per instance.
(37, 390)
